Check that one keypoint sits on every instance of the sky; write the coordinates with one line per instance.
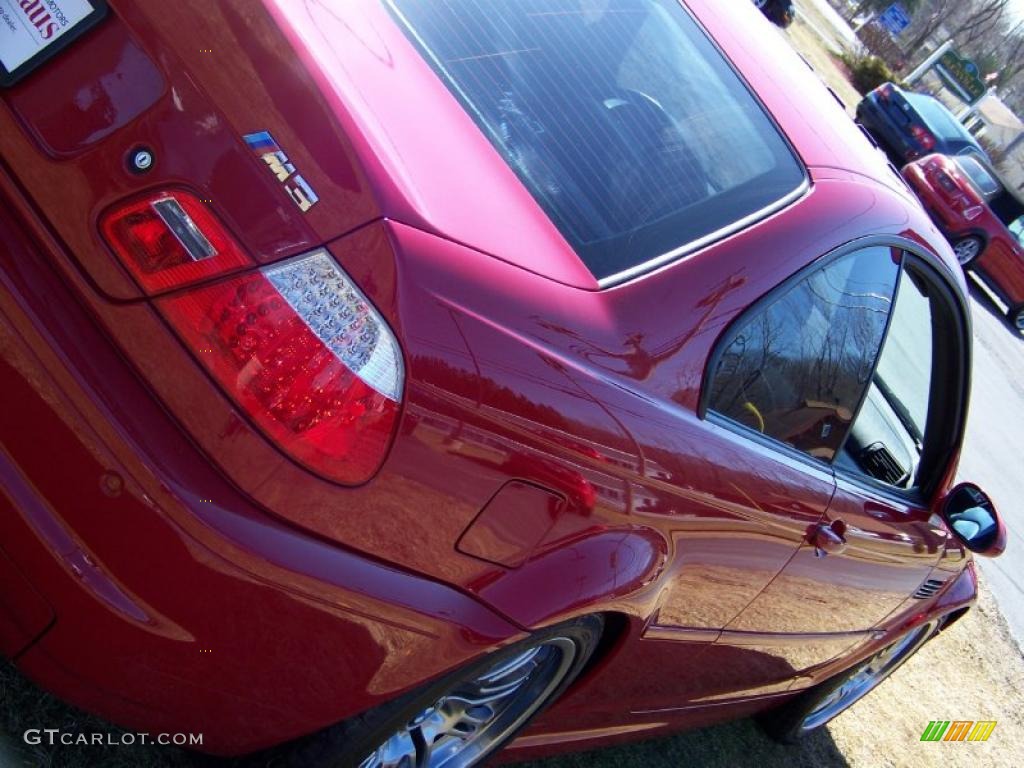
(1019, 7)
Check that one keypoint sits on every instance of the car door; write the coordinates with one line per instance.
(879, 541)
(1002, 263)
(788, 378)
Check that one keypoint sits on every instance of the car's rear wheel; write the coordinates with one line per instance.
(967, 249)
(464, 718)
(820, 704)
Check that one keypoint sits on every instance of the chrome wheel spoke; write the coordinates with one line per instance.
(462, 726)
(863, 679)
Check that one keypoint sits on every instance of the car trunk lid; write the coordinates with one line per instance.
(164, 95)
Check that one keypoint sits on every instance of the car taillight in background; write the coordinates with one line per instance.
(169, 239)
(305, 355)
(923, 136)
(885, 91)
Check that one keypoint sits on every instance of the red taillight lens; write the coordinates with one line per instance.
(923, 136)
(169, 239)
(885, 91)
(300, 350)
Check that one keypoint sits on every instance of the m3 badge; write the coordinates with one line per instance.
(298, 189)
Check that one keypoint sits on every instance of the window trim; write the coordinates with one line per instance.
(957, 315)
(942, 397)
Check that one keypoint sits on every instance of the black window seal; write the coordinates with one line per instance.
(874, 365)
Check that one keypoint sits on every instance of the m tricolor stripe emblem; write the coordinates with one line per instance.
(958, 730)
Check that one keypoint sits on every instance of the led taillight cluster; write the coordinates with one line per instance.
(296, 345)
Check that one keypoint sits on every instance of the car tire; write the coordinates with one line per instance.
(545, 663)
(817, 706)
(968, 249)
(1016, 317)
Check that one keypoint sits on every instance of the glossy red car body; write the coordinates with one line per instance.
(1001, 262)
(165, 566)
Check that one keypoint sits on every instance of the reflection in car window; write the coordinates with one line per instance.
(980, 177)
(797, 368)
(620, 116)
(886, 440)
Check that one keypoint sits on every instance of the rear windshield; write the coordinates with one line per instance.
(939, 119)
(620, 116)
(980, 177)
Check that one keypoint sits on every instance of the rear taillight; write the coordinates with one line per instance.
(169, 239)
(885, 91)
(923, 136)
(301, 351)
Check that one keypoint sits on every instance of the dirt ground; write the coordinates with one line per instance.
(805, 36)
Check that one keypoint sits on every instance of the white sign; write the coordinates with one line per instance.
(30, 26)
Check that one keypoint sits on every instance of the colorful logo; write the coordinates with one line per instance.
(265, 148)
(958, 730)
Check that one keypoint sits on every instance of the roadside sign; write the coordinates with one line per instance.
(962, 76)
(895, 19)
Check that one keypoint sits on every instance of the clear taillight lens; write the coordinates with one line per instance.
(301, 351)
(169, 239)
(972, 212)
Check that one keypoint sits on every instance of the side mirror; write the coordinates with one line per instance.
(971, 516)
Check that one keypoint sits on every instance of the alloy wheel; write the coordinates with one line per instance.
(866, 677)
(468, 722)
(967, 250)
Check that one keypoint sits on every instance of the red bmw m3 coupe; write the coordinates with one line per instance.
(386, 383)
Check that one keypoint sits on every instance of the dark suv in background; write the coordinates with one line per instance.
(910, 125)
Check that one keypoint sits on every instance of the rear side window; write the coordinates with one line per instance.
(796, 368)
(620, 116)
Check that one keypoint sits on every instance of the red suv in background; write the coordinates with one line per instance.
(980, 217)
(377, 373)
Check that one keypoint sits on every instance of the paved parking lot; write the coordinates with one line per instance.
(992, 455)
